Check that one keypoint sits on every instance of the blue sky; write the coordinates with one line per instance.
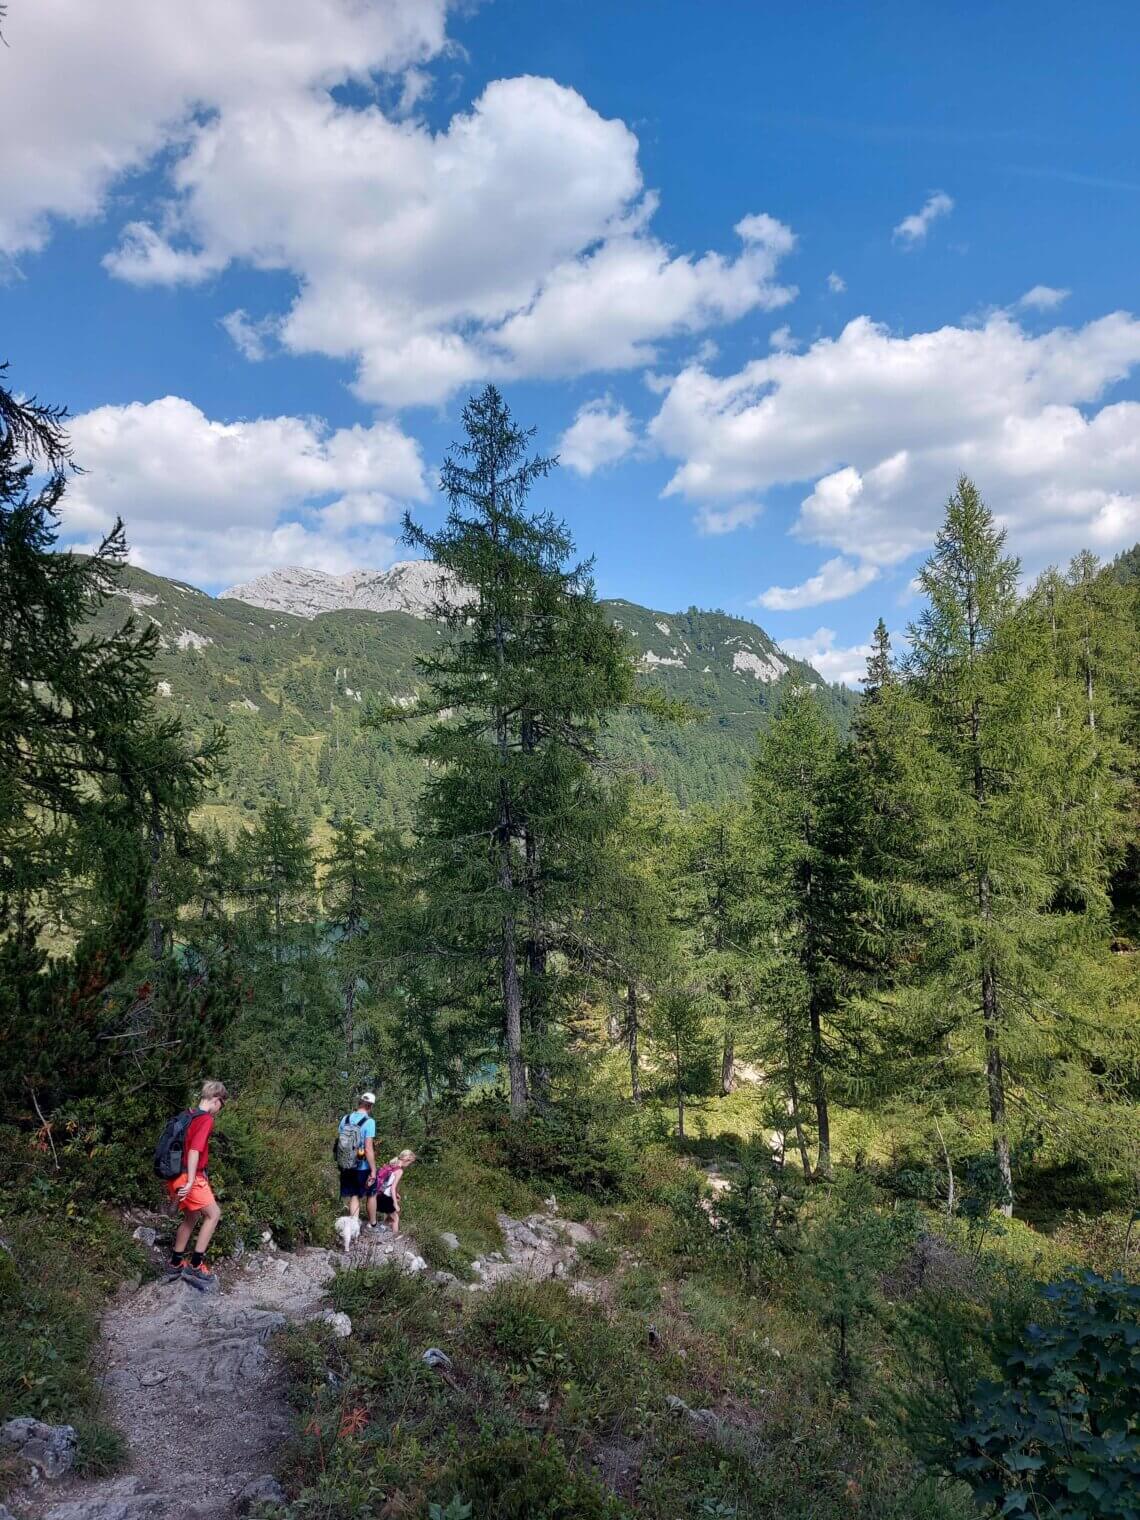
(767, 276)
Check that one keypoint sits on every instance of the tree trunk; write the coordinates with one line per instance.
(157, 930)
(794, 1112)
(995, 1083)
(819, 1094)
(991, 1005)
(509, 972)
(631, 1037)
(728, 1064)
(535, 961)
(350, 1020)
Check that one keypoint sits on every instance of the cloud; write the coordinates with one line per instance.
(1043, 298)
(127, 79)
(833, 581)
(847, 665)
(912, 229)
(742, 514)
(216, 501)
(878, 426)
(514, 242)
(836, 283)
(249, 338)
(601, 434)
(783, 341)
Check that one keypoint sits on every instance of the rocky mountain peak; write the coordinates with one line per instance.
(412, 586)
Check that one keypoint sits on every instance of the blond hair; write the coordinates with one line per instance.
(213, 1089)
(405, 1158)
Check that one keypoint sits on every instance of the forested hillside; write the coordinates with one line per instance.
(294, 694)
(836, 1077)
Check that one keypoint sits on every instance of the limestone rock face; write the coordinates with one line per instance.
(413, 586)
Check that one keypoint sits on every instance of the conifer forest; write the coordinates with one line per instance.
(823, 1025)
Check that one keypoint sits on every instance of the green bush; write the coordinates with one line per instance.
(1060, 1434)
(523, 1478)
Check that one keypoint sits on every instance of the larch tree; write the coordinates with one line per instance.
(802, 888)
(1011, 890)
(513, 809)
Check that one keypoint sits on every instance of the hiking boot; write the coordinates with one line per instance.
(173, 1269)
(200, 1276)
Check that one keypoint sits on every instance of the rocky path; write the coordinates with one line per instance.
(190, 1380)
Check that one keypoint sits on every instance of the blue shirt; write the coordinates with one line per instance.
(367, 1126)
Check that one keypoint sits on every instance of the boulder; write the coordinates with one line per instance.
(434, 1357)
(577, 1234)
(450, 1241)
(260, 1496)
(339, 1324)
(49, 1450)
(145, 1235)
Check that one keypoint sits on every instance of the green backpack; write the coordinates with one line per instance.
(348, 1147)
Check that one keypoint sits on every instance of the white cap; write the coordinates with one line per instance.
(368, 1097)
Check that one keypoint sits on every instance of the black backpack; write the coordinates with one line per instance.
(169, 1153)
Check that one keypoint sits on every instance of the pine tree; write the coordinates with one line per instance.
(513, 809)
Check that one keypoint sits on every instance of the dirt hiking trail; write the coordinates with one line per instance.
(190, 1380)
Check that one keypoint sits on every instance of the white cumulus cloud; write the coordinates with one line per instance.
(90, 92)
(833, 581)
(515, 242)
(602, 433)
(878, 426)
(210, 501)
(847, 665)
(836, 283)
(912, 229)
(715, 521)
(1043, 298)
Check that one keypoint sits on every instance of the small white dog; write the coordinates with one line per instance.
(348, 1229)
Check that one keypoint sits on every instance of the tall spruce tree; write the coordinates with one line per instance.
(513, 808)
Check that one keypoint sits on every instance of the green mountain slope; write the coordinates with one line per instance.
(292, 690)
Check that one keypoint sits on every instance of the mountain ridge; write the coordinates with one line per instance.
(294, 690)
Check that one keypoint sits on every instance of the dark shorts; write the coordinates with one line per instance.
(354, 1184)
(384, 1204)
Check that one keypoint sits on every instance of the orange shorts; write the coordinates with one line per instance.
(200, 1196)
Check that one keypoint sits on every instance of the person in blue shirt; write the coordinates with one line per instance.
(359, 1181)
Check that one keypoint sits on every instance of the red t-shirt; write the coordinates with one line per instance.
(198, 1139)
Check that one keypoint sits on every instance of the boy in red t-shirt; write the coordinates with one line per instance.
(192, 1194)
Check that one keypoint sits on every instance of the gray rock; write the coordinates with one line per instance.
(339, 1324)
(121, 1499)
(577, 1234)
(6, 1513)
(145, 1235)
(434, 1357)
(262, 1494)
(414, 1264)
(522, 1236)
(450, 1241)
(674, 1401)
(48, 1449)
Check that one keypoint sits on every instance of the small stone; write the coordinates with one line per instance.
(266, 1237)
(674, 1401)
(577, 1234)
(282, 1267)
(550, 1204)
(434, 1357)
(522, 1236)
(413, 1264)
(145, 1235)
(339, 1324)
(49, 1450)
(262, 1494)
(450, 1241)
